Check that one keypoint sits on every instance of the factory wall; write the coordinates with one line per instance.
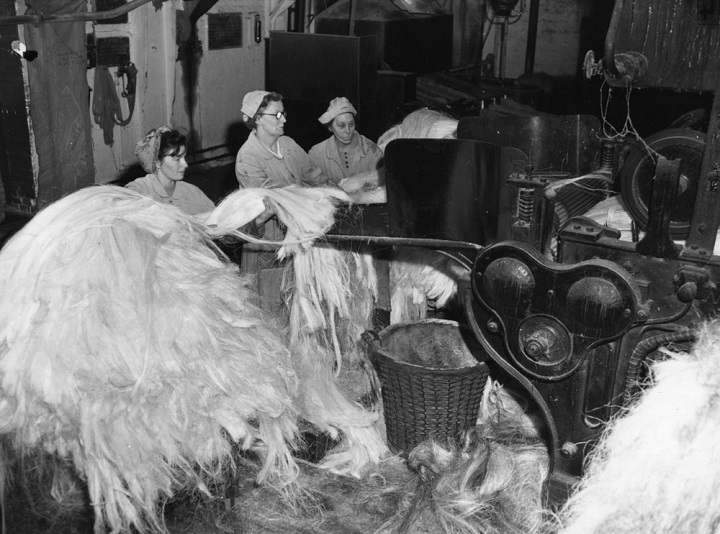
(181, 82)
(205, 100)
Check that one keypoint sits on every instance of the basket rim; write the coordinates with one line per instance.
(379, 354)
(378, 351)
(396, 326)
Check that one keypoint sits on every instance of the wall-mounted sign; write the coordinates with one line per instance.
(112, 51)
(224, 30)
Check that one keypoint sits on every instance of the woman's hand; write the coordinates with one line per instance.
(313, 176)
(266, 215)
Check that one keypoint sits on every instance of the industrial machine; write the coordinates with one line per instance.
(567, 310)
(564, 307)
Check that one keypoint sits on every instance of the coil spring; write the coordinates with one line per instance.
(607, 156)
(525, 204)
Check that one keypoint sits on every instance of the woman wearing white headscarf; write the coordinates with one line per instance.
(269, 158)
(346, 153)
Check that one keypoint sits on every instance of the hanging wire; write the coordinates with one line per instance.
(628, 127)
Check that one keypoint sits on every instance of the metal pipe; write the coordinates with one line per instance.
(202, 7)
(351, 25)
(503, 47)
(609, 60)
(73, 17)
(532, 36)
(644, 348)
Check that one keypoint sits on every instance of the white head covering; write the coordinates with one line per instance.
(251, 102)
(337, 107)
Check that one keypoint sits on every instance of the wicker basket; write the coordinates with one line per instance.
(432, 374)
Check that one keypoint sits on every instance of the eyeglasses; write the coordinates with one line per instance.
(279, 115)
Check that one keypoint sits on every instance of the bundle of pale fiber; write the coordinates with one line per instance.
(656, 468)
(421, 124)
(332, 293)
(131, 349)
(307, 214)
(421, 278)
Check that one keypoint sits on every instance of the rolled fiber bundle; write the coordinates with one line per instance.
(129, 347)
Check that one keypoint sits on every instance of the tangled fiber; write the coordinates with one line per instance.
(332, 295)
(420, 278)
(655, 469)
(488, 482)
(421, 124)
(306, 212)
(131, 348)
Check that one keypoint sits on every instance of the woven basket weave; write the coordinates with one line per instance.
(432, 375)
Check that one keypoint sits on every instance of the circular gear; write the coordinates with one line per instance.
(636, 176)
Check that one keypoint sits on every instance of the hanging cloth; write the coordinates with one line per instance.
(106, 105)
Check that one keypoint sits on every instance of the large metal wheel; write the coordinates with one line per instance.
(638, 171)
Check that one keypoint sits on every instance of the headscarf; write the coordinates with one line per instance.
(337, 107)
(251, 102)
(148, 148)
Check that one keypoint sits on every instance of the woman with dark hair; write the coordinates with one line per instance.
(269, 158)
(347, 152)
(162, 155)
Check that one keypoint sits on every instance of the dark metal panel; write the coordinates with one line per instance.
(569, 143)
(443, 189)
(318, 68)
(413, 43)
(309, 70)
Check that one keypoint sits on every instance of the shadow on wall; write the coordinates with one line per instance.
(235, 135)
(128, 175)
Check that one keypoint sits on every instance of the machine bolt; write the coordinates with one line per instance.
(642, 315)
(493, 326)
(535, 349)
(568, 449)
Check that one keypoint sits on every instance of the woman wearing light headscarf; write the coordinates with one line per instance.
(346, 153)
(269, 158)
(162, 155)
